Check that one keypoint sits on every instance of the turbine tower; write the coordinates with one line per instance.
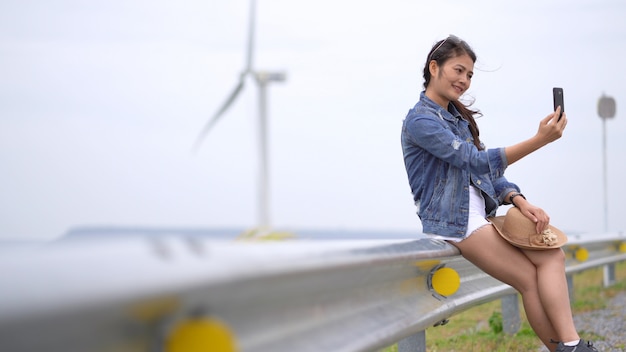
(262, 78)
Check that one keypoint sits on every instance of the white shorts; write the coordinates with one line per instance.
(477, 216)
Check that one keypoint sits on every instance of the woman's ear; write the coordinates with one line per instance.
(433, 67)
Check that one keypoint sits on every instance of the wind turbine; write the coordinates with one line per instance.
(262, 78)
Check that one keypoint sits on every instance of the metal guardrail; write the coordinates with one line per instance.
(184, 294)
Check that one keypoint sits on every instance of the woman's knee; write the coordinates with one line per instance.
(527, 281)
(559, 255)
(556, 257)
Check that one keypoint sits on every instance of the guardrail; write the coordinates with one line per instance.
(185, 294)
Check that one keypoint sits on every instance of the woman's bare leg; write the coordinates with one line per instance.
(553, 290)
(491, 253)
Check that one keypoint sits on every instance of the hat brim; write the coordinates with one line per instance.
(498, 223)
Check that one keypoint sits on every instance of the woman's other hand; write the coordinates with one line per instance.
(537, 215)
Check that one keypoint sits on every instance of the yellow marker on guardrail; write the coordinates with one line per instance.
(622, 247)
(578, 253)
(443, 281)
(201, 334)
(581, 254)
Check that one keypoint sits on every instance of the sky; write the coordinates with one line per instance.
(100, 103)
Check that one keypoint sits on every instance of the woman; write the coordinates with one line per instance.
(457, 183)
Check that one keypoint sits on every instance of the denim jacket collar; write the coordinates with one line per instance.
(452, 116)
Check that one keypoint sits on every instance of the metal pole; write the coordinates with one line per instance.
(264, 218)
(608, 272)
(413, 343)
(606, 110)
(511, 320)
(263, 78)
(570, 286)
(604, 173)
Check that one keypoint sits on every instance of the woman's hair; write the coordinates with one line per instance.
(441, 52)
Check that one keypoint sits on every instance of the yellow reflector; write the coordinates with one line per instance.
(201, 335)
(581, 254)
(446, 281)
(622, 247)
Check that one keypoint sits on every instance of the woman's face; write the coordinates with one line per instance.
(451, 80)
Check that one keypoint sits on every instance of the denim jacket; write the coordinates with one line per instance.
(442, 161)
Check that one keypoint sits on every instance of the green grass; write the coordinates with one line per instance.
(479, 329)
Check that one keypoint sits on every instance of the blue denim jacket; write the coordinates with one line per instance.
(442, 161)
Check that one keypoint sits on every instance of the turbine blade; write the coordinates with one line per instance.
(250, 52)
(207, 127)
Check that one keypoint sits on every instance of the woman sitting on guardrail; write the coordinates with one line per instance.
(458, 184)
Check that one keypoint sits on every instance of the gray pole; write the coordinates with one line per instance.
(264, 218)
(263, 78)
(606, 110)
(604, 181)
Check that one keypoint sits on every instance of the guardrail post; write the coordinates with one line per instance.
(510, 314)
(413, 343)
(609, 275)
(570, 286)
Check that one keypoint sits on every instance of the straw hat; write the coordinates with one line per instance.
(521, 232)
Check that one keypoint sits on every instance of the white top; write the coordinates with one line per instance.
(477, 216)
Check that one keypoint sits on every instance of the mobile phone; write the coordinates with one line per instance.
(557, 95)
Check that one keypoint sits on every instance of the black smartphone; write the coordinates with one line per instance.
(557, 94)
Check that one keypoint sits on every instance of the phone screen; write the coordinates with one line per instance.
(557, 94)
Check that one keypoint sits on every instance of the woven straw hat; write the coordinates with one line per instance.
(521, 232)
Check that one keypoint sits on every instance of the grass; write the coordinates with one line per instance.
(479, 329)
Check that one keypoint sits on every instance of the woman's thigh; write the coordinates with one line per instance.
(486, 249)
(553, 257)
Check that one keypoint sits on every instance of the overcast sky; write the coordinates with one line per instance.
(101, 101)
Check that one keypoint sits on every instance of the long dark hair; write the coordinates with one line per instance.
(441, 52)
